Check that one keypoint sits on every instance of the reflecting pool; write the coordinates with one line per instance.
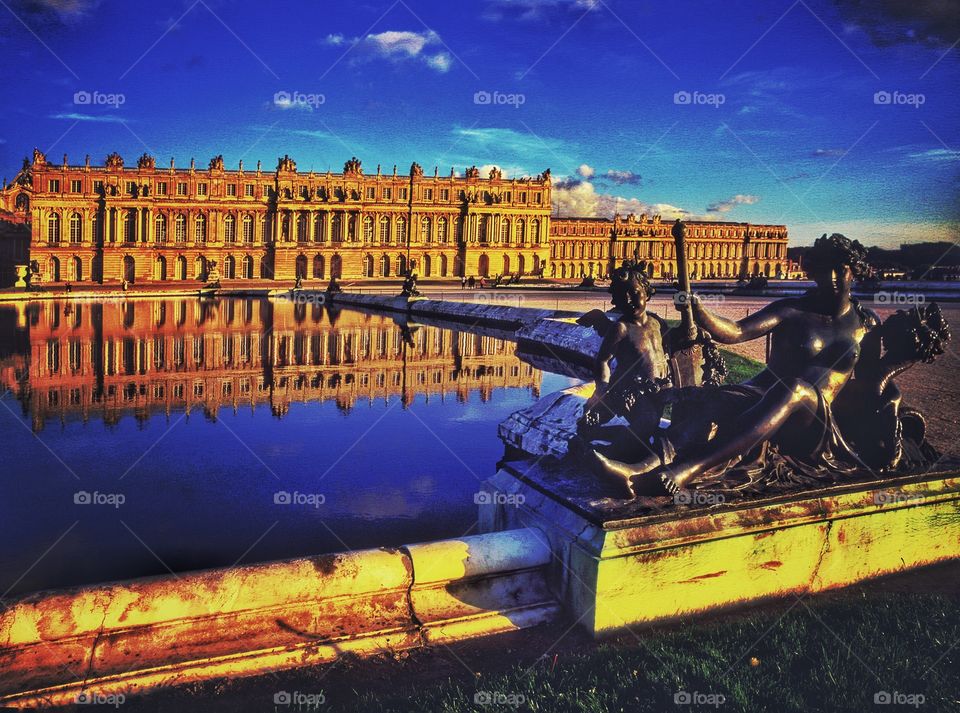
(142, 437)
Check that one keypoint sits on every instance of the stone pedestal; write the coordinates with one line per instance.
(22, 272)
(622, 563)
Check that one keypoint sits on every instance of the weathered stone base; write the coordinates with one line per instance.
(129, 637)
(613, 572)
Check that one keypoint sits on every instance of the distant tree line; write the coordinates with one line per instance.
(915, 261)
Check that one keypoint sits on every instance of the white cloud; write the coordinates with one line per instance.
(580, 198)
(585, 171)
(396, 46)
(440, 62)
(936, 155)
(101, 118)
(623, 178)
(730, 203)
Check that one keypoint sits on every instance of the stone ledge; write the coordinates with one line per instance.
(614, 572)
(128, 637)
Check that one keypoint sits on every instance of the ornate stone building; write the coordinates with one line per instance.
(150, 224)
(81, 361)
(589, 247)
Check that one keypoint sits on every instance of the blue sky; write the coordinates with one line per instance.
(756, 111)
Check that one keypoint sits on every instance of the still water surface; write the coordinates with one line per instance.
(140, 437)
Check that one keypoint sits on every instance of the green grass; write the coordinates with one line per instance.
(831, 654)
(740, 368)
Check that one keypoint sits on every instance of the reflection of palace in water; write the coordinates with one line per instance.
(143, 357)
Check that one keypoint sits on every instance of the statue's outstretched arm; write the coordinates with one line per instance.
(727, 331)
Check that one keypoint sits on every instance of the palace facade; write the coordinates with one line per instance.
(590, 247)
(147, 225)
(80, 360)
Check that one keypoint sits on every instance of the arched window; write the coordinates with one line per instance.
(76, 228)
(504, 230)
(337, 227)
(401, 230)
(535, 229)
(229, 267)
(301, 266)
(506, 265)
(200, 228)
(336, 266)
(443, 265)
(401, 265)
(368, 266)
(482, 228)
(318, 267)
(247, 267)
(426, 233)
(483, 266)
(180, 228)
(427, 264)
(181, 267)
(97, 227)
(160, 229)
(76, 269)
(385, 230)
(521, 231)
(367, 229)
(230, 229)
(441, 230)
(285, 227)
(385, 266)
(248, 229)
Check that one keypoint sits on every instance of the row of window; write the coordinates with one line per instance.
(387, 230)
(202, 188)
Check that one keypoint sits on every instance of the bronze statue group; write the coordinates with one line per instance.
(824, 407)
